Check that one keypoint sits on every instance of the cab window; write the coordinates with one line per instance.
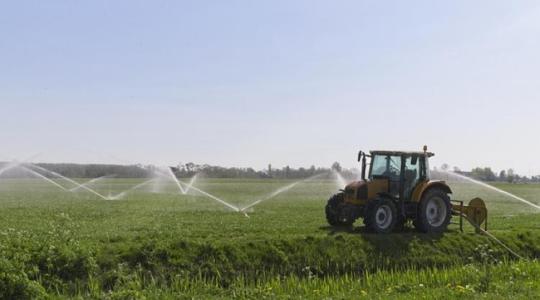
(386, 166)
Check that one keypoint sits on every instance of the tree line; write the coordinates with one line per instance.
(190, 169)
(73, 170)
(487, 174)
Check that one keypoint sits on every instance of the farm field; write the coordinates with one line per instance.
(158, 243)
(269, 150)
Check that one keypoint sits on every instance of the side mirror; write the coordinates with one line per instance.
(360, 153)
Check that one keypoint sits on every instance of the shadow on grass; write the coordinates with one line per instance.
(396, 244)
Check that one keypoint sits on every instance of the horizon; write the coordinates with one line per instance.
(287, 83)
(353, 169)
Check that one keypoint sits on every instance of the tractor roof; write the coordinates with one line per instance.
(399, 153)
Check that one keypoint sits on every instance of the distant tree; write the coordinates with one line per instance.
(269, 169)
(180, 167)
(312, 170)
(336, 167)
(484, 174)
(510, 177)
(190, 167)
(490, 175)
(477, 173)
(457, 169)
(502, 175)
(445, 167)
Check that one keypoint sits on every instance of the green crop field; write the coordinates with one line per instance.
(158, 243)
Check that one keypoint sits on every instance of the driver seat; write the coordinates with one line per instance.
(409, 181)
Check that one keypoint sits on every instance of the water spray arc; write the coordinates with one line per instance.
(188, 186)
(492, 188)
(340, 181)
(191, 183)
(69, 180)
(9, 166)
(124, 193)
(168, 173)
(43, 177)
(18, 165)
(89, 182)
(14, 163)
(183, 187)
(29, 167)
(171, 174)
(234, 208)
(279, 191)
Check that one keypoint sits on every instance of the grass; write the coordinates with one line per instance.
(502, 281)
(160, 245)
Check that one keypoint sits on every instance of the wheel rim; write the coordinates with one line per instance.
(383, 216)
(436, 211)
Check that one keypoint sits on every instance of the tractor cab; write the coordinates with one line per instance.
(402, 170)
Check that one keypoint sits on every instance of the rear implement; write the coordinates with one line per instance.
(475, 213)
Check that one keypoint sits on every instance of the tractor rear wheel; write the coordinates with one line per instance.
(434, 212)
(336, 212)
(381, 215)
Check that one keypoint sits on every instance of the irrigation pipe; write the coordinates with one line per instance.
(488, 234)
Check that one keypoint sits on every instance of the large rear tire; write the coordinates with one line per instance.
(434, 212)
(336, 212)
(381, 215)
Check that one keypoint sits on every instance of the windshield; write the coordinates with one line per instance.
(386, 165)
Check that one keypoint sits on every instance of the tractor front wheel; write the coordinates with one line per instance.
(381, 215)
(337, 213)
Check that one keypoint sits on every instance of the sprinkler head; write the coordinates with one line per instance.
(243, 211)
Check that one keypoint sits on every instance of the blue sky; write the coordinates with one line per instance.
(247, 83)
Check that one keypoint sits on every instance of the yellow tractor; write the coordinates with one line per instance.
(398, 188)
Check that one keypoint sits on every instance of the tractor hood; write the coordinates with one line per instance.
(352, 187)
(358, 192)
(355, 184)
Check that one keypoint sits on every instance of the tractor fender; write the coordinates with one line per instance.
(423, 187)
